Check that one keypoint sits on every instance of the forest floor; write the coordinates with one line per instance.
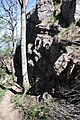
(7, 108)
(11, 108)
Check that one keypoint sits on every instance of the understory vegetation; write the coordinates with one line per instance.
(2, 93)
(55, 110)
(32, 109)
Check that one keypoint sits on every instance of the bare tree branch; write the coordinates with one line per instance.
(4, 6)
(20, 2)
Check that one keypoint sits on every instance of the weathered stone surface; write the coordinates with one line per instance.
(42, 49)
(49, 62)
(71, 10)
(77, 11)
(61, 63)
(45, 9)
(47, 97)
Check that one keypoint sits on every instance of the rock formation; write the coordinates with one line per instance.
(50, 63)
(70, 10)
(43, 50)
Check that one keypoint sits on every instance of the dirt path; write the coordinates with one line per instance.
(7, 110)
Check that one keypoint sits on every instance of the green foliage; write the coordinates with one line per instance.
(5, 43)
(70, 26)
(41, 112)
(33, 113)
(2, 72)
(52, 20)
(57, 6)
(33, 110)
(67, 30)
(2, 93)
(17, 101)
(36, 112)
(1, 21)
(57, 11)
(4, 77)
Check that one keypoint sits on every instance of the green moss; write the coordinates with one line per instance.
(4, 77)
(52, 20)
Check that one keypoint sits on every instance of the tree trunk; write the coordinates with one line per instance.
(12, 56)
(26, 84)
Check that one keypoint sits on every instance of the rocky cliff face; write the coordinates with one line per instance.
(39, 21)
(71, 10)
(49, 60)
(41, 46)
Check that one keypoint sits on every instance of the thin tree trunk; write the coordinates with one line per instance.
(12, 57)
(26, 84)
